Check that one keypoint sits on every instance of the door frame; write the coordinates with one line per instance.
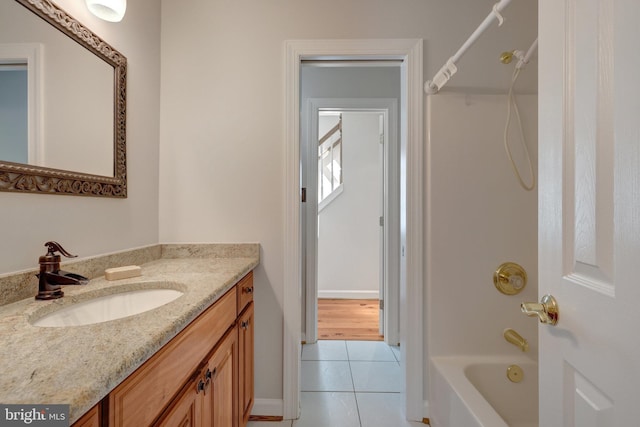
(389, 263)
(410, 52)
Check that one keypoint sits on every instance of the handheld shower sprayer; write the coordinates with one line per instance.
(523, 59)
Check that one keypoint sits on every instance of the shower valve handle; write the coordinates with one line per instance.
(547, 310)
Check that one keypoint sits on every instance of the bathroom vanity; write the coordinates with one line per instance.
(188, 362)
(196, 379)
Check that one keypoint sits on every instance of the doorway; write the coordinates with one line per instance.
(351, 216)
(409, 52)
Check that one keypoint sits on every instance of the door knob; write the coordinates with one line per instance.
(546, 310)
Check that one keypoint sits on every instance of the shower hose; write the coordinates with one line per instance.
(512, 101)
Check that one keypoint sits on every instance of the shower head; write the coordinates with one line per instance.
(506, 57)
(523, 58)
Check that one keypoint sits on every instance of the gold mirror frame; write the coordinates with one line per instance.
(17, 177)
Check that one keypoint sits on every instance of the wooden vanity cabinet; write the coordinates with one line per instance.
(245, 364)
(207, 399)
(186, 409)
(202, 377)
(245, 349)
(91, 419)
(221, 385)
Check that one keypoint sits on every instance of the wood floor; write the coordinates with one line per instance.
(346, 319)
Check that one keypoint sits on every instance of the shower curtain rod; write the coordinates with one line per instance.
(449, 69)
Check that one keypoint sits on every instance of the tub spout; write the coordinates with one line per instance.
(516, 339)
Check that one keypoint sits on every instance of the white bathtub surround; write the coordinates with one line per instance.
(474, 391)
(479, 218)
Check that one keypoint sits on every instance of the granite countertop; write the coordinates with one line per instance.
(80, 365)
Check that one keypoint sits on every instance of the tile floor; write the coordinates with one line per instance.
(349, 384)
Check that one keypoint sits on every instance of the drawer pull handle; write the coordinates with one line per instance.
(248, 290)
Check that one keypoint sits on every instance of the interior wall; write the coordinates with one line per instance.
(90, 226)
(478, 218)
(348, 227)
(222, 155)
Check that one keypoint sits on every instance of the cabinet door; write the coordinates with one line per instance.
(90, 419)
(186, 410)
(221, 391)
(245, 365)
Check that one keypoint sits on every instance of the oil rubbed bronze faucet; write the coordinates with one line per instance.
(51, 277)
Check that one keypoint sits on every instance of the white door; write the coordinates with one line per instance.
(589, 211)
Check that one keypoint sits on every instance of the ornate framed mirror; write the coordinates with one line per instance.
(73, 137)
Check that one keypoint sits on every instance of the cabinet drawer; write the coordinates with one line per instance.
(245, 291)
(140, 399)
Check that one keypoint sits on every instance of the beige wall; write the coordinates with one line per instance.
(222, 124)
(349, 227)
(86, 225)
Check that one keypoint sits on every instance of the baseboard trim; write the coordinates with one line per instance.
(338, 294)
(425, 412)
(272, 410)
(267, 418)
(268, 408)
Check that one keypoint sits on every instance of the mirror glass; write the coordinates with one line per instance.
(62, 104)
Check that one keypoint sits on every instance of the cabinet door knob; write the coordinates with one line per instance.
(207, 376)
(248, 289)
(244, 324)
(200, 386)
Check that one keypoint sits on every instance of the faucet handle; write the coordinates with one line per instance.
(55, 246)
(546, 310)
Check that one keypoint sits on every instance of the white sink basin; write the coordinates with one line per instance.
(108, 307)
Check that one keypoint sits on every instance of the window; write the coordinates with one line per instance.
(329, 157)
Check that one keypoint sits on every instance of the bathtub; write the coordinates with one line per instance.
(474, 391)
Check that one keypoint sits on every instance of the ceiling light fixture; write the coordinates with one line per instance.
(109, 10)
